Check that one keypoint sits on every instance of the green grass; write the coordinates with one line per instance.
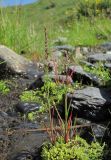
(84, 33)
(22, 27)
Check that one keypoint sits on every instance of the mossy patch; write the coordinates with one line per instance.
(77, 149)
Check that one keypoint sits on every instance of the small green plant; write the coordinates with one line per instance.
(48, 96)
(77, 149)
(29, 96)
(32, 116)
(3, 88)
(100, 71)
(51, 92)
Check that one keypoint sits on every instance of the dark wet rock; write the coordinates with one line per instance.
(93, 131)
(3, 137)
(3, 114)
(99, 131)
(106, 46)
(3, 120)
(81, 121)
(26, 107)
(107, 135)
(28, 142)
(78, 74)
(12, 63)
(67, 48)
(107, 153)
(28, 125)
(84, 131)
(17, 86)
(18, 140)
(107, 140)
(90, 103)
(25, 155)
(100, 57)
(39, 82)
(7, 121)
(32, 73)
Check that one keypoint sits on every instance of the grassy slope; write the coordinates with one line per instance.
(23, 28)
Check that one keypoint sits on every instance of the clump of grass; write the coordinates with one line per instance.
(3, 88)
(14, 31)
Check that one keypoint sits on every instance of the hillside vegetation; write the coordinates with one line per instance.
(84, 22)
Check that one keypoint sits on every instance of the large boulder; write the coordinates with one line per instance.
(90, 103)
(99, 57)
(11, 62)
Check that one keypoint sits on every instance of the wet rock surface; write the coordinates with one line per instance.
(26, 107)
(38, 83)
(95, 131)
(16, 134)
(92, 103)
(24, 156)
(29, 143)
